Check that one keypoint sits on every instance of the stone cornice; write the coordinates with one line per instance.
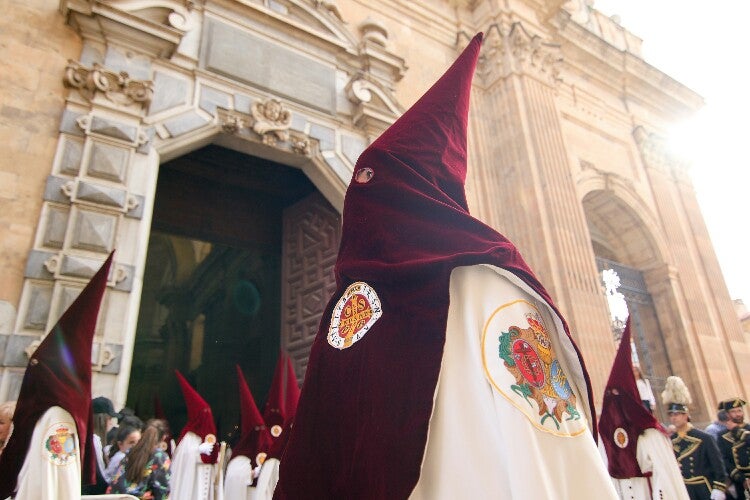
(154, 27)
(622, 72)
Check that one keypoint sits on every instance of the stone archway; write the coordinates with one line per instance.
(623, 242)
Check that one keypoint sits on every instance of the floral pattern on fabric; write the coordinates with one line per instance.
(155, 478)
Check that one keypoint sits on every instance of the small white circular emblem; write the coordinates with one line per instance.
(354, 314)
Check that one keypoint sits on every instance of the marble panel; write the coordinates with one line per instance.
(184, 123)
(38, 306)
(55, 226)
(79, 267)
(116, 363)
(212, 98)
(35, 267)
(338, 166)
(144, 148)
(15, 350)
(70, 156)
(326, 136)
(105, 195)
(124, 277)
(138, 67)
(93, 231)
(69, 123)
(15, 378)
(3, 342)
(243, 103)
(7, 317)
(108, 161)
(137, 211)
(53, 189)
(169, 92)
(113, 129)
(352, 147)
(269, 66)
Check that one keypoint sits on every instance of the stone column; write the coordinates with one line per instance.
(524, 159)
(707, 328)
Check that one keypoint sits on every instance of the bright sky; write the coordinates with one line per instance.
(704, 45)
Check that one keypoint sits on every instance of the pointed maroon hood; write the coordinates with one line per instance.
(200, 420)
(363, 416)
(291, 396)
(274, 411)
(254, 435)
(59, 374)
(624, 417)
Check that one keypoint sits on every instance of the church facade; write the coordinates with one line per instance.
(210, 142)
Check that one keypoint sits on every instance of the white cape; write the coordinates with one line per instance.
(655, 455)
(191, 478)
(52, 468)
(487, 438)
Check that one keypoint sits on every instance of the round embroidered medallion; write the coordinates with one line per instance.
(60, 444)
(354, 314)
(276, 431)
(621, 437)
(521, 364)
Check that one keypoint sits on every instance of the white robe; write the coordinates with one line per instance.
(191, 478)
(654, 454)
(269, 476)
(52, 468)
(239, 479)
(486, 440)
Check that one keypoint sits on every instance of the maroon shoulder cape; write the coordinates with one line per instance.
(363, 416)
(59, 374)
(624, 417)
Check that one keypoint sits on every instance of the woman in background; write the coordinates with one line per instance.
(6, 422)
(144, 472)
(127, 437)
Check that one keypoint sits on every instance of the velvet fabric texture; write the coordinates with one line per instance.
(254, 435)
(200, 419)
(624, 417)
(59, 374)
(364, 412)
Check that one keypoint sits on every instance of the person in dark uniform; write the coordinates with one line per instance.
(734, 447)
(696, 451)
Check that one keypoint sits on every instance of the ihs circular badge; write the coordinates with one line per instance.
(354, 314)
(620, 437)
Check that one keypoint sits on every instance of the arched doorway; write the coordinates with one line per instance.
(625, 247)
(235, 240)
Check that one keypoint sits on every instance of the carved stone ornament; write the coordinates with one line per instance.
(276, 133)
(232, 123)
(532, 54)
(117, 87)
(272, 121)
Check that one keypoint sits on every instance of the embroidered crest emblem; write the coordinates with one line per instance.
(620, 437)
(354, 314)
(60, 444)
(521, 363)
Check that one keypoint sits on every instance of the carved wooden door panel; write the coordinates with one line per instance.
(311, 236)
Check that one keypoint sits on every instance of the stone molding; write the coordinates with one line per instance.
(155, 27)
(119, 88)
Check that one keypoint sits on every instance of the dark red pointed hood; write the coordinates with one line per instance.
(363, 416)
(59, 374)
(291, 396)
(624, 417)
(254, 435)
(200, 418)
(274, 411)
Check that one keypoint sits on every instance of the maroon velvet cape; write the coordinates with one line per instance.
(59, 374)
(254, 435)
(623, 415)
(363, 415)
